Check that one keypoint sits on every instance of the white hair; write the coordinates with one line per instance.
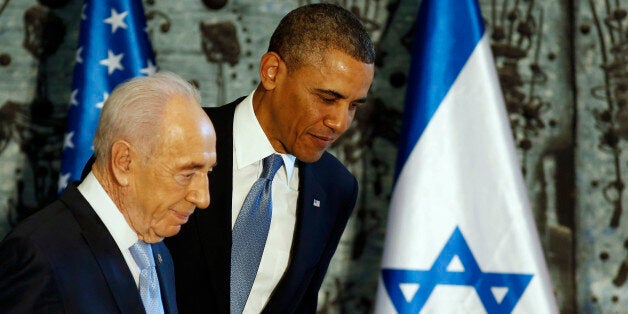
(134, 112)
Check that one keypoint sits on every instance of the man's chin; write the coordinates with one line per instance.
(172, 231)
(153, 239)
(310, 157)
(159, 236)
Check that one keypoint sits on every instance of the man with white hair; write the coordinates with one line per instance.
(99, 249)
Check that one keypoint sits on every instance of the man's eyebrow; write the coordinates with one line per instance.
(330, 92)
(336, 94)
(360, 100)
(196, 165)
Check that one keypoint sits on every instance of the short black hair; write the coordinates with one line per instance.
(307, 32)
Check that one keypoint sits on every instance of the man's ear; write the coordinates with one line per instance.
(269, 69)
(121, 162)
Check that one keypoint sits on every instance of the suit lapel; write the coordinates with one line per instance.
(111, 262)
(313, 219)
(165, 272)
(312, 227)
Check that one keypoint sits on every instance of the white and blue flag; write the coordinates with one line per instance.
(113, 47)
(460, 237)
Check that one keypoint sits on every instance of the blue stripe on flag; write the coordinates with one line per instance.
(446, 32)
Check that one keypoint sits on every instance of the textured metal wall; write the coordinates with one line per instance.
(532, 46)
(563, 66)
(601, 163)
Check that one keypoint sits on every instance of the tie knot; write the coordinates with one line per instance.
(142, 254)
(271, 164)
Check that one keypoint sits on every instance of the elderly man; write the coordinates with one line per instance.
(242, 255)
(98, 248)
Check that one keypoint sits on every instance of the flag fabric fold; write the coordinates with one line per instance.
(113, 47)
(460, 234)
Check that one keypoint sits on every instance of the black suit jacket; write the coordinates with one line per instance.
(62, 259)
(202, 250)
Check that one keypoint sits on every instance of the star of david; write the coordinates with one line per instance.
(438, 274)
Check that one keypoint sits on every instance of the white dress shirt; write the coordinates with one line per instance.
(113, 219)
(250, 146)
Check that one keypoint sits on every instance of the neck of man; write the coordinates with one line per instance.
(117, 194)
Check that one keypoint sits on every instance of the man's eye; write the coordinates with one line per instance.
(328, 99)
(186, 176)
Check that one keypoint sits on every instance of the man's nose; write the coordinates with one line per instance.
(199, 192)
(339, 119)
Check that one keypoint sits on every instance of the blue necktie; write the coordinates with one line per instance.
(149, 282)
(250, 232)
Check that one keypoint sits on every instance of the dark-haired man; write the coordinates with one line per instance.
(316, 73)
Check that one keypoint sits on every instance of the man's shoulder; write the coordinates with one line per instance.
(332, 169)
(45, 225)
(329, 160)
(227, 109)
(55, 220)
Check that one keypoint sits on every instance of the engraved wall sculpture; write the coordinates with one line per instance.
(563, 68)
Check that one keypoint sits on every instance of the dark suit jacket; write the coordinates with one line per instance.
(202, 250)
(62, 259)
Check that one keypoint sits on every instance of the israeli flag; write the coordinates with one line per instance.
(460, 237)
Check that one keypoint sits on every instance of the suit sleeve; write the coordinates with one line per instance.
(309, 301)
(27, 284)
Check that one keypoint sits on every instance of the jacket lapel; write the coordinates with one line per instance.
(312, 227)
(313, 219)
(165, 272)
(111, 262)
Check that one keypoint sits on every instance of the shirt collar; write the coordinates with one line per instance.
(106, 209)
(250, 143)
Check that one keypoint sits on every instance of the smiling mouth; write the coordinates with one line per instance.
(182, 216)
(323, 141)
